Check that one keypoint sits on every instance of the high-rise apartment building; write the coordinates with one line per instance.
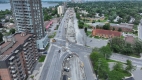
(60, 10)
(28, 17)
(140, 30)
(18, 55)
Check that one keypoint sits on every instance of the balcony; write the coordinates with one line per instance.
(30, 45)
(29, 72)
(12, 67)
(18, 59)
(11, 63)
(14, 75)
(13, 71)
(15, 79)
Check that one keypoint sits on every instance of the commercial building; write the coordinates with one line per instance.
(28, 17)
(18, 55)
(140, 30)
(105, 33)
(60, 10)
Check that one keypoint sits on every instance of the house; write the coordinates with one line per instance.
(9, 25)
(106, 33)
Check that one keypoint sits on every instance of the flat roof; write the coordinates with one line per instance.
(19, 40)
(125, 25)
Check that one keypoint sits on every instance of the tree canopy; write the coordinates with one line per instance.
(1, 35)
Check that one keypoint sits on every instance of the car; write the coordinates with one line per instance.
(66, 69)
(65, 77)
(45, 52)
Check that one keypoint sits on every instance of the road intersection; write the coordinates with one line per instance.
(53, 63)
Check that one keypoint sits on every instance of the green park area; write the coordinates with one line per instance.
(100, 61)
(42, 58)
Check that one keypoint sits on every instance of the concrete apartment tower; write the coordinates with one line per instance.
(28, 17)
(140, 30)
(60, 10)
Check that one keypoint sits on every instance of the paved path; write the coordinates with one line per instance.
(122, 58)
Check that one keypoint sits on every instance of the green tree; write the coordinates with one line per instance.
(106, 51)
(118, 67)
(119, 29)
(1, 35)
(12, 31)
(93, 21)
(113, 28)
(11, 21)
(137, 47)
(129, 67)
(106, 26)
(85, 29)
(115, 75)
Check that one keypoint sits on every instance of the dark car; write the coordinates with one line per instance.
(45, 52)
(65, 77)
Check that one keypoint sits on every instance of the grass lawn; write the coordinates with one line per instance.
(52, 36)
(110, 60)
(126, 74)
(47, 46)
(41, 58)
(97, 37)
(88, 33)
(134, 55)
(135, 27)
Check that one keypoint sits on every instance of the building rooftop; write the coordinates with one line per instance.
(123, 25)
(19, 40)
(129, 39)
(106, 32)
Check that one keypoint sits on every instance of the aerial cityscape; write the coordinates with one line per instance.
(70, 40)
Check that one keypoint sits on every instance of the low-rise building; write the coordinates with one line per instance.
(124, 26)
(9, 25)
(18, 55)
(106, 33)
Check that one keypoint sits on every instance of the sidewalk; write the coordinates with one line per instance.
(36, 71)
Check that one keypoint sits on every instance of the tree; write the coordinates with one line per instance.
(93, 21)
(106, 51)
(11, 21)
(106, 26)
(137, 47)
(118, 67)
(119, 29)
(12, 31)
(1, 36)
(113, 28)
(85, 29)
(115, 75)
(32, 77)
(129, 67)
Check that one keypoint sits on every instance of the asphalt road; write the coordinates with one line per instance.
(53, 62)
(123, 58)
